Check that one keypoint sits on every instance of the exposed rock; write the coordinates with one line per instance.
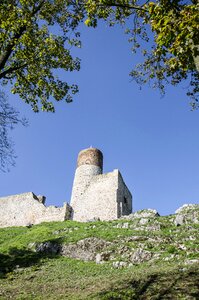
(123, 249)
(188, 213)
(41, 199)
(144, 213)
(122, 225)
(119, 264)
(151, 227)
(143, 221)
(170, 257)
(85, 249)
(182, 247)
(179, 220)
(191, 261)
(136, 238)
(93, 220)
(47, 248)
(125, 225)
(102, 257)
(186, 208)
(98, 258)
(140, 256)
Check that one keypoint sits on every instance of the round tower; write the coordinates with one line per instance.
(90, 156)
(89, 164)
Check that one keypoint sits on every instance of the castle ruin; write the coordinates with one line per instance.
(95, 196)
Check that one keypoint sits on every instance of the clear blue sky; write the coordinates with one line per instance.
(153, 141)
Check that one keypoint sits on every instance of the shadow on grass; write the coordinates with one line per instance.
(157, 286)
(22, 258)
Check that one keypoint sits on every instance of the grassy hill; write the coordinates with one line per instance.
(144, 256)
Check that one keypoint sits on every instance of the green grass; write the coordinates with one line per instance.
(26, 274)
(63, 278)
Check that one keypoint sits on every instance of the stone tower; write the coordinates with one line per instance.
(97, 195)
(89, 164)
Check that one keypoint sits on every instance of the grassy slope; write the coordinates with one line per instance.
(25, 274)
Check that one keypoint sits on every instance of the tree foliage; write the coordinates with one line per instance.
(174, 53)
(36, 38)
(9, 117)
(31, 52)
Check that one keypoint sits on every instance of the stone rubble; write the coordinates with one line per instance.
(188, 213)
(85, 249)
(136, 248)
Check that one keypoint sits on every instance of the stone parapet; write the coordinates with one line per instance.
(26, 209)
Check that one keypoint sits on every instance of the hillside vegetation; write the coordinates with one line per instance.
(143, 256)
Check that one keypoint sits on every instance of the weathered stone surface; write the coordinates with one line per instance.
(98, 258)
(102, 257)
(187, 208)
(47, 248)
(171, 244)
(136, 238)
(90, 156)
(122, 225)
(140, 256)
(119, 264)
(85, 249)
(143, 221)
(145, 215)
(188, 213)
(26, 209)
(191, 261)
(97, 195)
(41, 199)
(151, 227)
(179, 220)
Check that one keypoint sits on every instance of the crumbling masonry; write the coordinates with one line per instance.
(94, 196)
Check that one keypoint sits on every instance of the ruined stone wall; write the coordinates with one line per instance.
(94, 196)
(83, 176)
(99, 199)
(104, 196)
(97, 195)
(25, 209)
(124, 198)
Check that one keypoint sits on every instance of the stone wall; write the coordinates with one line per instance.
(124, 198)
(94, 196)
(98, 199)
(26, 209)
(91, 156)
(102, 198)
(83, 176)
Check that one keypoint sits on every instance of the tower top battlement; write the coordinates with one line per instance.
(90, 156)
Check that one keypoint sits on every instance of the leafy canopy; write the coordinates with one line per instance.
(174, 52)
(36, 38)
(31, 52)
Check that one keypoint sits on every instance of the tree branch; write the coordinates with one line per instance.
(11, 69)
(8, 50)
(123, 6)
